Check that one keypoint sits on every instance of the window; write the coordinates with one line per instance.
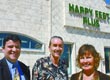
(27, 43)
(66, 55)
(107, 59)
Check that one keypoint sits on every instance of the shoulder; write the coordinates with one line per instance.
(103, 76)
(75, 76)
(25, 69)
(42, 60)
(3, 62)
(63, 64)
(63, 61)
(22, 65)
(40, 63)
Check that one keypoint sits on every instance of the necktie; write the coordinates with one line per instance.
(16, 75)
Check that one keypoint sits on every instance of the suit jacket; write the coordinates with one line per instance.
(102, 76)
(5, 73)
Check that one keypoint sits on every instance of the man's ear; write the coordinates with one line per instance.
(3, 49)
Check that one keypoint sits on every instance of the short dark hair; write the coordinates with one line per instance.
(90, 48)
(12, 37)
(55, 37)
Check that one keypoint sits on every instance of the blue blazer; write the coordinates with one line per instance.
(5, 73)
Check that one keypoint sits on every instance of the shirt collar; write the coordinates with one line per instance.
(10, 64)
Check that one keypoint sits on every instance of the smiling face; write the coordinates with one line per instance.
(56, 47)
(11, 50)
(87, 62)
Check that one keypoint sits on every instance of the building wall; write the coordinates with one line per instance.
(41, 19)
(29, 18)
(26, 17)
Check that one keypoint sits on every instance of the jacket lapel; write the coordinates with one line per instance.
(24, 70)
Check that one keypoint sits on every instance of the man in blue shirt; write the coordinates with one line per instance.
(11, 49)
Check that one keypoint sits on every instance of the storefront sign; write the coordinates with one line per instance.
(90, 17)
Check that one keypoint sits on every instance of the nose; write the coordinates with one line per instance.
(14, 49)
(58, 48)
(85, 60)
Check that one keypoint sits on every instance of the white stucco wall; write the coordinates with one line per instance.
(29, 18)
(41, 19)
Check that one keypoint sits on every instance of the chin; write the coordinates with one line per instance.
(57, 56)
(14, 59)
(87, 69)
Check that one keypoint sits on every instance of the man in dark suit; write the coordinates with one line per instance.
(10, 67)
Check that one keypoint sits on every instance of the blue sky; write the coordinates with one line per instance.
(107, 1)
